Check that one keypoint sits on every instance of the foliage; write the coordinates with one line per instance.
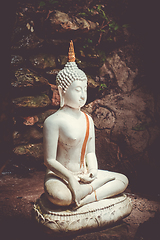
(102, 86)
(48, 4)
(107, 26)
(97, 11)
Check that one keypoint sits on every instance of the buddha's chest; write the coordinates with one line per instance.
(72, 133)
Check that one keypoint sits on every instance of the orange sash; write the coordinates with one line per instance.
(82, 163)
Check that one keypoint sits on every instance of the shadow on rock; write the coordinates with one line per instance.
(18, 227)
(149, 229)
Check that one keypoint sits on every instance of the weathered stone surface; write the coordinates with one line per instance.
(39, 101)
(16, 61)
(124, 75)
(29, 151)
(43, 61)
(28, 42)
(121, 67)
(103, 118)
(92, 83)
(27, 135)
(25, 78)
(128, 133)
(51, 75)
(30, 129)
(55, 96)
(30, 120)
(62, 59)
(61, 22)
(88, 217)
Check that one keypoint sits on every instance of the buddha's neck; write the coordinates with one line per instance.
(75, 112)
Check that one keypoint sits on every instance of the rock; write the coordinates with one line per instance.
(62, 60)
(121, 66)
(62, 43)
(27, 135)
(92, 83)
(24, 21)
(51, 75)
(106, 69)
(30, 121)
(29, 129)
(124, 75)
(25, 78)
(124, 138)
(61, 22)
(43, 61)
(28, 42)
(38, 101)
(103, 118)
(55, 96)
(16, 61)
(29, 152)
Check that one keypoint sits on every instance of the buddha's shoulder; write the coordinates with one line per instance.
(53, 119)
(90, 119)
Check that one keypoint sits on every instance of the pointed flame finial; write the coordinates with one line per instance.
(71, 54)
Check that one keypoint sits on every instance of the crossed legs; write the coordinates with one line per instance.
(107, 184)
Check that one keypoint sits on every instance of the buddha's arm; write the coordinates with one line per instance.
(50, 138)
(50, 142)
(91, 156)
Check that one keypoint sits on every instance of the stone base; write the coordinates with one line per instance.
(60, 220)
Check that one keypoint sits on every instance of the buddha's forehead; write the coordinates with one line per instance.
(79, 83)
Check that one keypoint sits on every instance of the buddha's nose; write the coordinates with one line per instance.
(82, 96)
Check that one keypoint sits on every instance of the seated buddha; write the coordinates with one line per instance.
(72, 175)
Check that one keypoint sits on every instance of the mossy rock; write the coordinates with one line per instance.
(28, 42)
(43, 61)
(92, 83)
(39, 101)
(26, 78)
(62, 60)
(29, 155)
(25, 135)
(16, 61)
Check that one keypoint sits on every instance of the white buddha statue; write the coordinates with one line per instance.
(72, 175)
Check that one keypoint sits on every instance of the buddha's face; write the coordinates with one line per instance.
(76, 94)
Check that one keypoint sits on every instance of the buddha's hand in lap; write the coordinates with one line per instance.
(76, 190)
(89, 177)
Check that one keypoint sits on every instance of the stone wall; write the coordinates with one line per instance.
(125, 110)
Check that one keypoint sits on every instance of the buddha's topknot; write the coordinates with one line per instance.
(70, 72)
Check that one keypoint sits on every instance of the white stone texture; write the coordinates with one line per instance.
(90, 216)
(69, 74)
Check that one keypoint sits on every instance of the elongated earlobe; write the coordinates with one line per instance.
(60, 90)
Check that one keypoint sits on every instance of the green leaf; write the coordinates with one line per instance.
(102, 86)
(101, 30)
(116, 27)
(42, 4)
(53, 1)
(109, 39)
(90, 40)
(82, 14)
(99, 7)
(125, 26)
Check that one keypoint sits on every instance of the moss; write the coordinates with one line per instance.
(32, 101)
